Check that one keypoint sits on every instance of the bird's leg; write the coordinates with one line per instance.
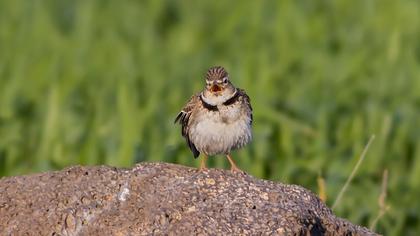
(203, 163)
(233, 166)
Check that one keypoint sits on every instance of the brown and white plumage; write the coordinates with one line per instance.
(218, 119)
(184, 118)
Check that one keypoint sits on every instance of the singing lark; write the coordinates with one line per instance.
(218, 119)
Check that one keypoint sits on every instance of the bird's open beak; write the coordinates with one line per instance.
(216, 88)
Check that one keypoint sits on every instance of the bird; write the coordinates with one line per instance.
(218, 119)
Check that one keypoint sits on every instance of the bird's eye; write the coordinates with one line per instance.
(225, 80)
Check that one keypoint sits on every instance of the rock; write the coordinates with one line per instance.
(161, 199)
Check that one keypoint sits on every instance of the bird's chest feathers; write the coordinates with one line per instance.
(216, 132)
(224, 115)
(227, 122)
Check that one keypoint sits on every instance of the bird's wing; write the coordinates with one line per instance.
(244, 99)
(183, 118)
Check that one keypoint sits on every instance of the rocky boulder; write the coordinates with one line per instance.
(161, 199)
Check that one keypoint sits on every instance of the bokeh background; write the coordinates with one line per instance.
(100, 82)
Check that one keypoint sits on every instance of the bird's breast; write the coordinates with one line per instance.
(216, 132)
(226, 114)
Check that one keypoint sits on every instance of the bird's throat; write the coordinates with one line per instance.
(214, 100)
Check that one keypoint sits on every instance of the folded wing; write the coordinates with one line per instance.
(183, 118)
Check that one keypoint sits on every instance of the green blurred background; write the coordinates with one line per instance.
(100, 82)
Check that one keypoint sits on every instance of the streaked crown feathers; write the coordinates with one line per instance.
(216, 73)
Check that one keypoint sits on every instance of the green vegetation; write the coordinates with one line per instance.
(100, 82)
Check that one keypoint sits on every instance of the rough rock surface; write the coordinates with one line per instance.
(161, 199)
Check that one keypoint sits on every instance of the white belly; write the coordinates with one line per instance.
(218, 133)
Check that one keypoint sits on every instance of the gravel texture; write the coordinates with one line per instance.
(161, 199)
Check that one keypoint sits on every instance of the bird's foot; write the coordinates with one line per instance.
(236, 170)
(233, 167)
(203, 164)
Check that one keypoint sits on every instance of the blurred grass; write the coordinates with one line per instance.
(100, 82)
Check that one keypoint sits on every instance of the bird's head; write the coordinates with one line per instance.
(218, 86)
(217, 80)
